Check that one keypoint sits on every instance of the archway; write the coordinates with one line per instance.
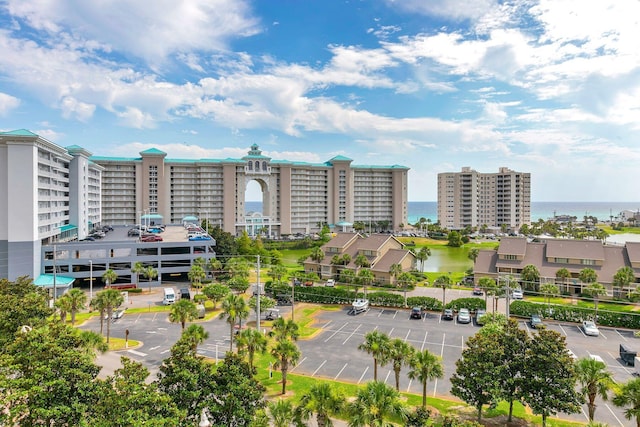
(254, 196)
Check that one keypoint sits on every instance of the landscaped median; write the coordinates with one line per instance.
(571, 313)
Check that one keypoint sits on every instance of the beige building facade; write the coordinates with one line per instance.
(297, 197)
(472, 199)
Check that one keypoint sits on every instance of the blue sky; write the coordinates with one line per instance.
(541, 86)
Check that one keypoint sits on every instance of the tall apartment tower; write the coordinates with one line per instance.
(472, 199)
(48, 194)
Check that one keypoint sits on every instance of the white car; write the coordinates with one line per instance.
(517, 294)
(464, 316)
(330, 282)
(590, 328)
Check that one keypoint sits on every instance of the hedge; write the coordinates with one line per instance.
(570, 313)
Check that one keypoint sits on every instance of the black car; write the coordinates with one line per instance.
(480, 314)
(133, 232)
(185, 294)
(536, 321)
(447, 314)
(416, 313)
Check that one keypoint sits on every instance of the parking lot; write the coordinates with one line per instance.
(333, 352)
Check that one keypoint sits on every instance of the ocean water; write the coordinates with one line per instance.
(539, 210)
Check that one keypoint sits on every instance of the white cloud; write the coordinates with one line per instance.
(80, 110)
(452, 9)
(149, 32)
(7, 103)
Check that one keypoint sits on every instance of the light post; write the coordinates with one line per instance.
(90, 280)
(55, 290)
(258, 293)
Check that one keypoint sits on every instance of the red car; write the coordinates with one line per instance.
(151, 238)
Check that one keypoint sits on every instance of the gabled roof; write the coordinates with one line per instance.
(633, 250)
(153, 152)
(375, 241)
(341, 241)
(392, 256)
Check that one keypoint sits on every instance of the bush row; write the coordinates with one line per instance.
(566, 313)
(471, 303)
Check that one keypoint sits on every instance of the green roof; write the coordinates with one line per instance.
(341, 159)
(46, 280)
(153, 151)
(68, 227)
(19, 132)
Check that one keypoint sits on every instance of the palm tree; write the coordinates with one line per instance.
(365, 277)
(322, 400)
(595, 290)
(63, 304)
(549, 290)
(361, 261)
(112, 300)
(98, 303)
(281, 412)
(473, 254)
(444, 282)
(563, 274)
(629, 395)
(405, 279)
(182, 312)
(423, 255)
(251, 341)
(194, 335)
(214, 265)
(588, 275)
(77, 301)
(109, 277)
(595, 381)
(623, 277)
(530, 275)
(282, 329)
(196, 274)
(317, 254)
(376, 344)
(137, 269)
(394, 271)
(149, 273)
(286, 353)
(425, 366)
(232, 308)
(373, 404)
(277, 271)
(399, 353)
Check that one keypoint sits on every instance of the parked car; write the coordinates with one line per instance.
(464, 316)
(151, 238)
(133, 232)
(447, 314)
(185, 294)
(480, 314)
(308, 283)
(590, 328)
(517, 294)
(477, 290)
(330, 283)
(416, 313)
(536, 321)
(199, 237)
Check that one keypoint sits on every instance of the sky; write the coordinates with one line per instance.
(549, 87)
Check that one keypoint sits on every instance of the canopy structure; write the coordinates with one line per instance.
(151, 219)
(344, 225)
(189, 218)
(61, 283)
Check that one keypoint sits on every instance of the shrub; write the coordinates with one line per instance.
(472, 304)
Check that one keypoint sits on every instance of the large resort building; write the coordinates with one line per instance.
(52, 195)
(494, 200)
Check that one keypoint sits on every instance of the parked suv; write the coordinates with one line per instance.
(416, 313)
(464, 316)
(185, 294)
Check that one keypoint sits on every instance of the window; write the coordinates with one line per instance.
(588, 262)
(511, 257)
(561, 260)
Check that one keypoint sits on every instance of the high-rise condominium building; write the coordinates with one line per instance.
(47, 194)
(297, 197)
(472, 199)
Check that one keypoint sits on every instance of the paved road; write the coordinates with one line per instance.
(342, 333)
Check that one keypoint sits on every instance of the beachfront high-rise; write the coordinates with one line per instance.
(473, 199)
(297, 197)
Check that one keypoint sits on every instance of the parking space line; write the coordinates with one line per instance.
(137, 318)
(424, 341)
(352, 333)
(321, 365)
(442, 348)
(395, 314)
(327, 325)
(138, 353)
(621, 336)
(380, 314)
(363, 374)
(165, 351)
(407, 336)
(153, 319)
(563, 331)
(391, 331)
(614, 415)
(334, 334)
(387, 377)
(409, 386)
(299, 363)
(336, 377)
(603, 335)
(154, 348)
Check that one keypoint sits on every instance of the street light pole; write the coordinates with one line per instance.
(90, 280)
(55, 291)
(258, 293)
